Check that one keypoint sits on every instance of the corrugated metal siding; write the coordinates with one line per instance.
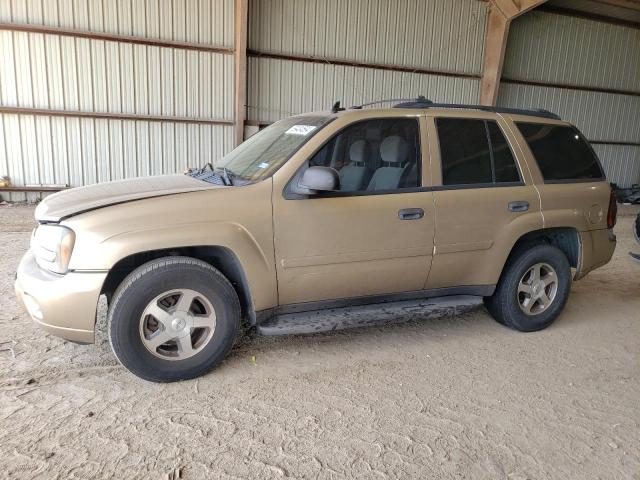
(66, 73)
(57, 72)
(600, 116)
(573, 51)
(201, 21)
(439, 34)
(564, 50)
(38, 149)
(279, 88)
(620, 162)
(614, 10)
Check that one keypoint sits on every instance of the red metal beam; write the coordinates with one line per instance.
(351, 63)
(68, 32)
(32, 189)
(111, 116)
(583, 88)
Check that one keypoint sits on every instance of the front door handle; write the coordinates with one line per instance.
(519, 206)
(410, 213)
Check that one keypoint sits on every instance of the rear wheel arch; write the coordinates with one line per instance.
(566, 239)
(219, 257)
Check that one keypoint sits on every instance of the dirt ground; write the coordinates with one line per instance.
(460, 397)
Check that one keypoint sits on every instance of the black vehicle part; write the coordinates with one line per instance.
(627, 195)
(505, 305)
(378, 314)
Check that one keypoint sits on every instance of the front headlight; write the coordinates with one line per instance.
(52, 246)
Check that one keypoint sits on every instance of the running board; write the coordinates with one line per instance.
(368, 315)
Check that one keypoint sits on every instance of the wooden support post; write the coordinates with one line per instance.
(494, 47)
(240, 71)
(501, 13)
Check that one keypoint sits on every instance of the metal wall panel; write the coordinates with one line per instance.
(564, 50)
(59, 72)
(279, 88)
(67, 73)
(208, 22)
(545, 47)
(620, 162)
(600, 116)
(437, 34)
(39, 149)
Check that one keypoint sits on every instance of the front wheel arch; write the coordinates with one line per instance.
(165, 278)
(219, 257)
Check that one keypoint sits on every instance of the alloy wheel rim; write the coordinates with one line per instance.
(177, 324)
(537, 289)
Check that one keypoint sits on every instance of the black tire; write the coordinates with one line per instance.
(140, 287)
(503, 304)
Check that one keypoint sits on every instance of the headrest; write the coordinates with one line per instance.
(394, 149)
(358, 151)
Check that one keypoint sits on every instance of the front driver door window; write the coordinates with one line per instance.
(356, 242)
(374, 155)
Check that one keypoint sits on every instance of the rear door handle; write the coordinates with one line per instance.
(519, 206)
(410, 213)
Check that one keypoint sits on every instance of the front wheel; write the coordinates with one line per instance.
(172, 319)
(533, 289)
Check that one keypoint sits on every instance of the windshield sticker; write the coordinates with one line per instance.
(301, 130)
(263, 165)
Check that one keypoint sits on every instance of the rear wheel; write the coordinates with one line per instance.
(172, 319)
(533, 288)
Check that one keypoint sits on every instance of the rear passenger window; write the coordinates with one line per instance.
(474, 152)
(505, 165)
(374, 155)
(561, 151)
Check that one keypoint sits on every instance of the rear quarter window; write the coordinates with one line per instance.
(561, 152)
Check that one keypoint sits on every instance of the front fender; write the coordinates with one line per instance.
(237, 219)
(231, 235)
(253, 258)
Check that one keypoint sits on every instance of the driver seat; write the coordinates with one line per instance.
(393, 151)
(355, 175)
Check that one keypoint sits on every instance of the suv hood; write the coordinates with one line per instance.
(83, 199)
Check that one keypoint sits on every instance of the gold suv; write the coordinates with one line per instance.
(322, 221)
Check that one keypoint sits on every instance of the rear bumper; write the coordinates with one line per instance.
(597, 249)
(63, 305)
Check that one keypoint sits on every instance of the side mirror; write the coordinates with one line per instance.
(318, 179)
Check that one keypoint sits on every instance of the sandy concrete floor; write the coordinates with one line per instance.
(457, 397)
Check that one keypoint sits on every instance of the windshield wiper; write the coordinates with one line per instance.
(225, 176)
(208, 174)
(219, 176)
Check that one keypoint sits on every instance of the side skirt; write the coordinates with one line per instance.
(371, 314)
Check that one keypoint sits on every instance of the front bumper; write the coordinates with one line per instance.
(63, 305)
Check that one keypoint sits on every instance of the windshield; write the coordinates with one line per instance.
(263, 153)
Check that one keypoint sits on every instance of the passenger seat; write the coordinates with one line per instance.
(355, 175)
(393, 151)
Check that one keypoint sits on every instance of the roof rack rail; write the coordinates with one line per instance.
(389, 100)
(422, 102)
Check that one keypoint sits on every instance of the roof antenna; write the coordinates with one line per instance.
(336, 107)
